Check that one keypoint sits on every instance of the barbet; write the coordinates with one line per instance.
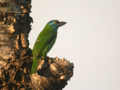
(45, 41)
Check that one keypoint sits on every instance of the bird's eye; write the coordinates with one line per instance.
(54, 22)
(57, 22)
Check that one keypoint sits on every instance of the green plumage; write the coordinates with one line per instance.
(44, 42)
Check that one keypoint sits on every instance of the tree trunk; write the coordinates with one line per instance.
(16, 56)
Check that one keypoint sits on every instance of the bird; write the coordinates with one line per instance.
(45, 42)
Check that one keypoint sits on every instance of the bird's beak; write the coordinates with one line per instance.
(61, 23)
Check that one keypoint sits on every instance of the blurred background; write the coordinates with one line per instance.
(90, 39)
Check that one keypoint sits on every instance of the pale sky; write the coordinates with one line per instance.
(90, 39)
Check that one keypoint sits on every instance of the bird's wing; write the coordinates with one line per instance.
(49, 45)
(43, 44)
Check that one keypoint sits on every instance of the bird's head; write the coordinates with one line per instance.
(56, 24)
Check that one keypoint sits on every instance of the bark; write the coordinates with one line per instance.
(16, 56)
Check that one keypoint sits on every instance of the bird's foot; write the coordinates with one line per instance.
(43, 66)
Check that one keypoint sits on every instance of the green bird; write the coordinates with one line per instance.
(44, 42)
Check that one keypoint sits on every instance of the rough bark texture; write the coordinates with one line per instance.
(16, 56)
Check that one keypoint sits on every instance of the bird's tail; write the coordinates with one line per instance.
(34, 65)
